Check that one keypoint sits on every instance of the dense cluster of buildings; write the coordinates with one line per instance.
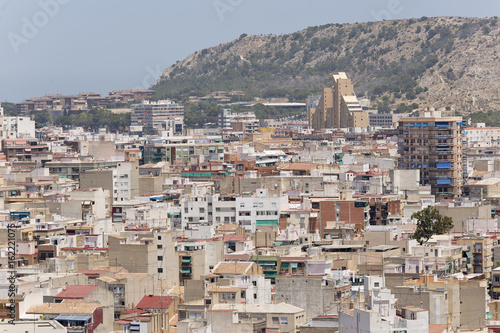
(79, 102)
(255, 226)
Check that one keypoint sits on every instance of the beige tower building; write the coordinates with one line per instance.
(338, 106)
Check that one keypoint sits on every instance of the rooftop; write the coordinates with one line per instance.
(75, 291)
(155, 302)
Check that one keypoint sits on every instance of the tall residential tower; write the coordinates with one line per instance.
(433, 144)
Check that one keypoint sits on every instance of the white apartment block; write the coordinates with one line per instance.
(18, 127)
(125, 181)
(257, 288)
(482, 136)
(259, 210)
(223, 210)
(194, 211)
(154, 115)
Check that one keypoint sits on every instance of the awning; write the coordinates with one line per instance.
(267, 222)
(468, 254)
(186, 270)
(74, 317)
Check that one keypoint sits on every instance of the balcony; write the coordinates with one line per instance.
(441, 176)
(441, 160)
(441, 151)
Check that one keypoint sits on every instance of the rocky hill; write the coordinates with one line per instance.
(444, 62)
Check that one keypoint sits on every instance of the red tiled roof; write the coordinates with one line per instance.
(90, 272)
(236, 238)
(155, 302)
(238, 256)
(75, 291)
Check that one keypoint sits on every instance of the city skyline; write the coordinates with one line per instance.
(49, 46)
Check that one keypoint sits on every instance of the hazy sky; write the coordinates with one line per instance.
(72, 46)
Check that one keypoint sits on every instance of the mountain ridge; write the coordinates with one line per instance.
(441, 62)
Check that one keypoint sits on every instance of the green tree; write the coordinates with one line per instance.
(430, 222)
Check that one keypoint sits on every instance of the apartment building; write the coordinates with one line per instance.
(433, 144)
(385, 120)
(280, 317)
(72, 169)
(481, 136)
(153, 115)
(198, 257)
(481, 248)
(18, 127)
(155, 152)
(122, 182)
(260, 210)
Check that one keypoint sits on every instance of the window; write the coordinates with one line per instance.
(276, 320)
(160, 258)
(160, 270)
(284, 321)
(376, 284)
(159, 246)
(159, 237)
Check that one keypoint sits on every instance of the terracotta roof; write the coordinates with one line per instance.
(438, 328)
(67, 306)
(238, 256)
(232, 267)
(75, 291)
(155, 302)
(90, 272)
(236, 238)
(107, 279)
